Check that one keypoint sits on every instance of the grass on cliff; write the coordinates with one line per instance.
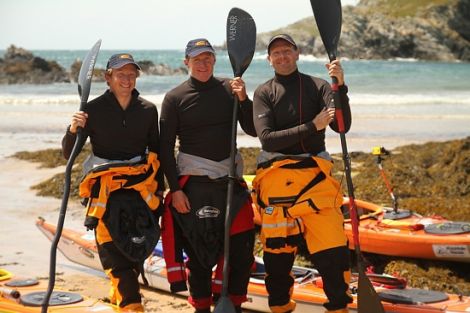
(404, 8)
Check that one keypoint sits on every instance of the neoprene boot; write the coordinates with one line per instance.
(238, 309)
(133, 307)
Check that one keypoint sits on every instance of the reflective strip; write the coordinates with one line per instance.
(174, 269)
(98, 204)
(278, 225)
(217, 281)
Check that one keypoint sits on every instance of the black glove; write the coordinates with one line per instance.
(91, 222)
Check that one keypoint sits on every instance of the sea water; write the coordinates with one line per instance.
(393, 102)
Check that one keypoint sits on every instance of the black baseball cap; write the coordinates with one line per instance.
(121, 59)
(197, 46)
(284, 37)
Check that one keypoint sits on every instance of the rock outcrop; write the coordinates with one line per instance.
(20, 66)
(384, 29)
(161, 69)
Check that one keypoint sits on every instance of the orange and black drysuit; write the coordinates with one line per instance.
(130, 230)
(121, 194)
(203, 242)
(296, 195)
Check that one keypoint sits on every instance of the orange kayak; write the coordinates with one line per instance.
(25, 295)
(414, 236)
(80, 247)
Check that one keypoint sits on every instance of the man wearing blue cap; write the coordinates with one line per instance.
(123, 130)
(199, 113)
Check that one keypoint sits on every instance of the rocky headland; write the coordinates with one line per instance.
(20, 66)
(437, 30)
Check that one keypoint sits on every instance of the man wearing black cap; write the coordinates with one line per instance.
(128, 187)
(199, 113)
(296, 195)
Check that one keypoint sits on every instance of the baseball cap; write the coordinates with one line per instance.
(281, 37)
(198, 46)
(121, 59)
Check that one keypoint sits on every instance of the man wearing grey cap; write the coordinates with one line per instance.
(297, 196)
(199, 114)
(124, 197)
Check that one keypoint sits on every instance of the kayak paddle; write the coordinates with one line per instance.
(328, 16)
(241, 43)
(84, 86)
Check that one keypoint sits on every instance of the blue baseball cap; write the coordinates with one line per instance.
(284, 37)
(121, 59)
(197, 46)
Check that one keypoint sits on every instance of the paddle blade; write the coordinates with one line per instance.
(241, 40)
(328, 16)
(86, 73)
(224, 305)
(367, 299)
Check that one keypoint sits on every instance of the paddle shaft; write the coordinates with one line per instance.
(328, 15)
(60, 223)
(84, 84)
(231, 184)
(241, 43)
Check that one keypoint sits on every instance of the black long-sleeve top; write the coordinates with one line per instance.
(200, 115)
(284, 108)
(117, 134)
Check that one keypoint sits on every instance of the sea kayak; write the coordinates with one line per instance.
(80, 248)
(410, 235)
(25, 295)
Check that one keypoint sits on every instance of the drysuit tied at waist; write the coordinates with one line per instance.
(287, 191)
(107, 178)
(102, 180)
(205, 183)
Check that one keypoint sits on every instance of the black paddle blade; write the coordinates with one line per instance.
(328, 15)
(241, 40)
(367, 299)
(224, 305)
(86, 73)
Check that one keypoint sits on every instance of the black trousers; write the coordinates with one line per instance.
(240, 263)
(330, 263)
(123, 273)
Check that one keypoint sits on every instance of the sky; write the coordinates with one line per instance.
(134, 24)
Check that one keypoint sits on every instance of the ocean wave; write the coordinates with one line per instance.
(356, 99)
(451, 98)
(59, 100)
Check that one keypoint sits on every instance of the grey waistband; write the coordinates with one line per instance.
(93, 161)
(265, 156)
(193, 165)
